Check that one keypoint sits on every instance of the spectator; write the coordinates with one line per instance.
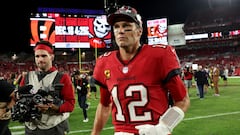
(188, 75)
(18, 79)
(225, 76)
(92, 85)
(215, 79)
(200, 77)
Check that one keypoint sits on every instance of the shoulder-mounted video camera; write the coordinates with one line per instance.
(27, 98)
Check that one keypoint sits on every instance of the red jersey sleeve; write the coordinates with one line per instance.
(176, 87)
(100, 75)
(104, 96)
(170, 61)
(67, 94)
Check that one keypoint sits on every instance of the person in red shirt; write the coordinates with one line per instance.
(55, 116)
(188, 76)
(135, 81)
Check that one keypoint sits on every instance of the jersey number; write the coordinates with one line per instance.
(133, 104)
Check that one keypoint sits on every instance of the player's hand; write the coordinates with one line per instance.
(147, 129)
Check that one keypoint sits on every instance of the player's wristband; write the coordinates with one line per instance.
(172, 117)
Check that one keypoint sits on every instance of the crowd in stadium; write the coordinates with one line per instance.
(205, 56)
(223, 56)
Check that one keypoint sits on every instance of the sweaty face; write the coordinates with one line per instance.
(43, 60)
(126, 33)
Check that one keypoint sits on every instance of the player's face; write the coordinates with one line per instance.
(126, 33)
(43, 60)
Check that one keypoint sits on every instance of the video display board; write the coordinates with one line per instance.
(157, 31)
(71, 31)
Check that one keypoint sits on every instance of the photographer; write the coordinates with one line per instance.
(54, 119)
(7, 100)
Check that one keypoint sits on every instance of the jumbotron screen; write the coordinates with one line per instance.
(71, 31)
(157, 31)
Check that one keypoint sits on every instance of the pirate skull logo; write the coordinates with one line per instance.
(101, 27)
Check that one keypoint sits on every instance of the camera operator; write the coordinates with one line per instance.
(7, 100)
(54, 119)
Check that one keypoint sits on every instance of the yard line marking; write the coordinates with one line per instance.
(209, 116)
(18, 133)
(107, 128)
(88, 130)
(16, 127)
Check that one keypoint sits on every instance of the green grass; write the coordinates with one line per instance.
(211, 116)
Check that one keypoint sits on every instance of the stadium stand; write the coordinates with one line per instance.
(211, 20)
(223, 50)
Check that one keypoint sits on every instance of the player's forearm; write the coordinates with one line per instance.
(184, 104)
(101, 118)
(168, 121)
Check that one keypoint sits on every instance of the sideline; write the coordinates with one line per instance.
(89, 130)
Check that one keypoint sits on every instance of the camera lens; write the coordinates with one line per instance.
(37, 99)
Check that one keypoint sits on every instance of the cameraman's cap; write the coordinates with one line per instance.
(44, 45)
(126, 12)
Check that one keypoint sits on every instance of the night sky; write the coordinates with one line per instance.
(15, 26)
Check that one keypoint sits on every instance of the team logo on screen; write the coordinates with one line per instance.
(101, 29)
(42, 29)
